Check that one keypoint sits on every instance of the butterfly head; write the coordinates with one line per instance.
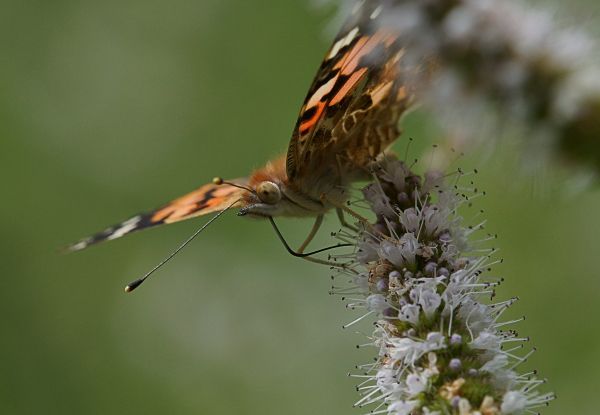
(268, 193)
(266, 199)
(263, 199)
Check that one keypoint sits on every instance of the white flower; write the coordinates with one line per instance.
(385, 378)
(402, 253)
(429, 301)
(486, 340)
(392, 252)
(406, 350)
(416, 383)
(380, 337)
(402, 407)
(362, 282)
(410, 313)
(504, 379)
(498, 362)
(410, 220)
(396, 175)
(477, 315)
(435, 220)
(435, 341)
(513, 402)
(431, 369)
(377, 303)
(409, 244)
(367, 250)
(380, 203)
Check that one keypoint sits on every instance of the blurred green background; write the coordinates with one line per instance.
(109, 108)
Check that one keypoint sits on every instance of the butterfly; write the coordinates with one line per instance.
(349, 117)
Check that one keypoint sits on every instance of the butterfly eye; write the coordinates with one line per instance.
(268, 192)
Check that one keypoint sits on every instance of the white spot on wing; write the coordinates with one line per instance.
(376, 12)
(125, 228)
(79, 245)
(345, 41)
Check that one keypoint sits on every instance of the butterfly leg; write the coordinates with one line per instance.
(308, 256)
(311, 235)
(343, 222)
(340, 207)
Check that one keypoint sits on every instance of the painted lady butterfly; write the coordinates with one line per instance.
(349, 117)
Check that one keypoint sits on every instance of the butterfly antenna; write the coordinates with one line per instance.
(219, 181)
(134, 284)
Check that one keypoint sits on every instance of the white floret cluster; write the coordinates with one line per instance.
(512, 64)
(441, 347)
(504, 61)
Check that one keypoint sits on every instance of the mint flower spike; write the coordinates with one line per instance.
(513, 60)
(502, 61)
(442, 348)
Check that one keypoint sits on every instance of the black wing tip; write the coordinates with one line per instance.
(77, 246)
(132, 224)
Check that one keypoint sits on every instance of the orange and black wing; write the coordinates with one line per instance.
(352, 109)
(206, 199)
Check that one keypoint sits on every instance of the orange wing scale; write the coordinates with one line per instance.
(346, 67)
(353, 107)
(207, 199)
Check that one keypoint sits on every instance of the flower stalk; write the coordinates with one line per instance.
(442, 346)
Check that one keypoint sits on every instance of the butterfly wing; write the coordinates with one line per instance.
(352, 109)
(206, 199)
